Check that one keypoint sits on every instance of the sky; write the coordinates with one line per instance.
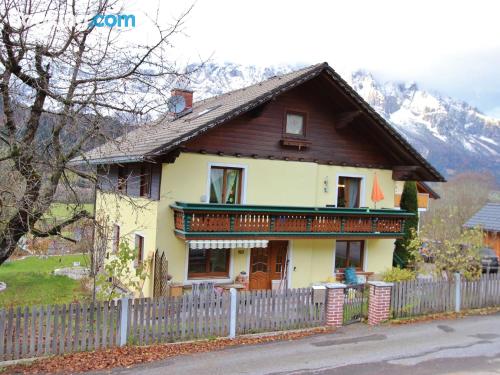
(452, 47)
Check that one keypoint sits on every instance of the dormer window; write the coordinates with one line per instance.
(295, 124)
(294, 130)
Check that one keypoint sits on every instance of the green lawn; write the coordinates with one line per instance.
(30, 282)
(63, 210)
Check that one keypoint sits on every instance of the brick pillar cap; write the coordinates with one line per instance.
(380, 283)
(335, 286)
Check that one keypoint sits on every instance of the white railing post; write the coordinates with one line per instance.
(123, 321)
(232, 313)
(457, 292)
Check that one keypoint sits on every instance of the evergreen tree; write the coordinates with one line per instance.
(409, 202)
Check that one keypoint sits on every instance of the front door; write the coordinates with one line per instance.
(267, 264)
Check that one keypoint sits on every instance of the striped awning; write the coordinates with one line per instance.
(226, 244)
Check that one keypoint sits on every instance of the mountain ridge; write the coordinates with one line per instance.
(453, 135)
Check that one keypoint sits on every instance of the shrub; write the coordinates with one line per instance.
(409, 202)
(396, 274)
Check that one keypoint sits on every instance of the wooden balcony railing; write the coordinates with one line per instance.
(209, 221)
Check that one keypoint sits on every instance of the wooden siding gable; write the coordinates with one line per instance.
(260, 134)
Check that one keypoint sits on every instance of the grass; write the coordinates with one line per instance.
(65, 210)
(30, 282)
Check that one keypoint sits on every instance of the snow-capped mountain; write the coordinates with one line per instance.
(452, 134)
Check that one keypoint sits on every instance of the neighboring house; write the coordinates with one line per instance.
(273, 180)
(424, 191)
(488, 218)
(425, 194)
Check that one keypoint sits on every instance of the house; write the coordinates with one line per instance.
(271, 182)
(424, 191)
(488, 218)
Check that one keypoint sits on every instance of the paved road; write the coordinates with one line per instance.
(464, 346)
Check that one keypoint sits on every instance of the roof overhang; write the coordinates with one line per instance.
(429, 173)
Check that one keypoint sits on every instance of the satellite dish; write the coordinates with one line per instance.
(176, 104)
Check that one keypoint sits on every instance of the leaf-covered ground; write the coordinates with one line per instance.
(133, 355)
(448, 315)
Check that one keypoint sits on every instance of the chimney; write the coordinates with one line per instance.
(186, 94)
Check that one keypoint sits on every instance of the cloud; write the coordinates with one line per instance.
(449, 46)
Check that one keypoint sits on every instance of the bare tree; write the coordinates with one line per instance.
(96, 253)
(61, 78)
(461, 197)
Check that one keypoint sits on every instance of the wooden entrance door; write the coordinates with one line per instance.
(267, 264)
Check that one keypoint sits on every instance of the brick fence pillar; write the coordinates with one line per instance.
(335, 304)
(379, 302)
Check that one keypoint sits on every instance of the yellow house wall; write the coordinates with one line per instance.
(379, 254)
(270, 182)
(134, 216)
(311, 261)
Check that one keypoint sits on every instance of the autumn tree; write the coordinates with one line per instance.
(455, 255)
(460, 198)
(62, 82)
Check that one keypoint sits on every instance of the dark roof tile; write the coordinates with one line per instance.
(165, 134)
(487, 218)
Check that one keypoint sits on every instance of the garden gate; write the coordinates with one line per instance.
(355, 303)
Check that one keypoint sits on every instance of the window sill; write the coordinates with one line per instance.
(216, 279)
(340, 276)
(295, 142)
(207, 277)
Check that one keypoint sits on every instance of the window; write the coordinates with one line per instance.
(139, 247)
(116, 238)
(349, 254)
(208, 263)
(295, 124)
(122, 179)
(145, 188)
(225, 185)
(348, 192)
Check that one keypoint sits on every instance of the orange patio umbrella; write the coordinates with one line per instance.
(377, 193)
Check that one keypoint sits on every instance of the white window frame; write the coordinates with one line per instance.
(216, 280)
(362, 187)
(136, 261)
(365, 253)
(115, 243)
(244, 169)
(290, 261)
(334, 255)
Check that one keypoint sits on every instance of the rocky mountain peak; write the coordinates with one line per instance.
(452, 134)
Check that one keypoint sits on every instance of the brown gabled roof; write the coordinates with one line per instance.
(160, 137)
(156, 138)
(425, 188)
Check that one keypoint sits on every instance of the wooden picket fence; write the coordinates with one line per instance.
(481, 293)
(266, 310)
(38, 331)
(169, 319)
(421, 297)
(44, 330)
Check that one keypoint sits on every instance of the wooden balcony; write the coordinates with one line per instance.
(220, 221)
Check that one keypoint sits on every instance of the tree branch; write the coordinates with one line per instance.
(56, 230)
